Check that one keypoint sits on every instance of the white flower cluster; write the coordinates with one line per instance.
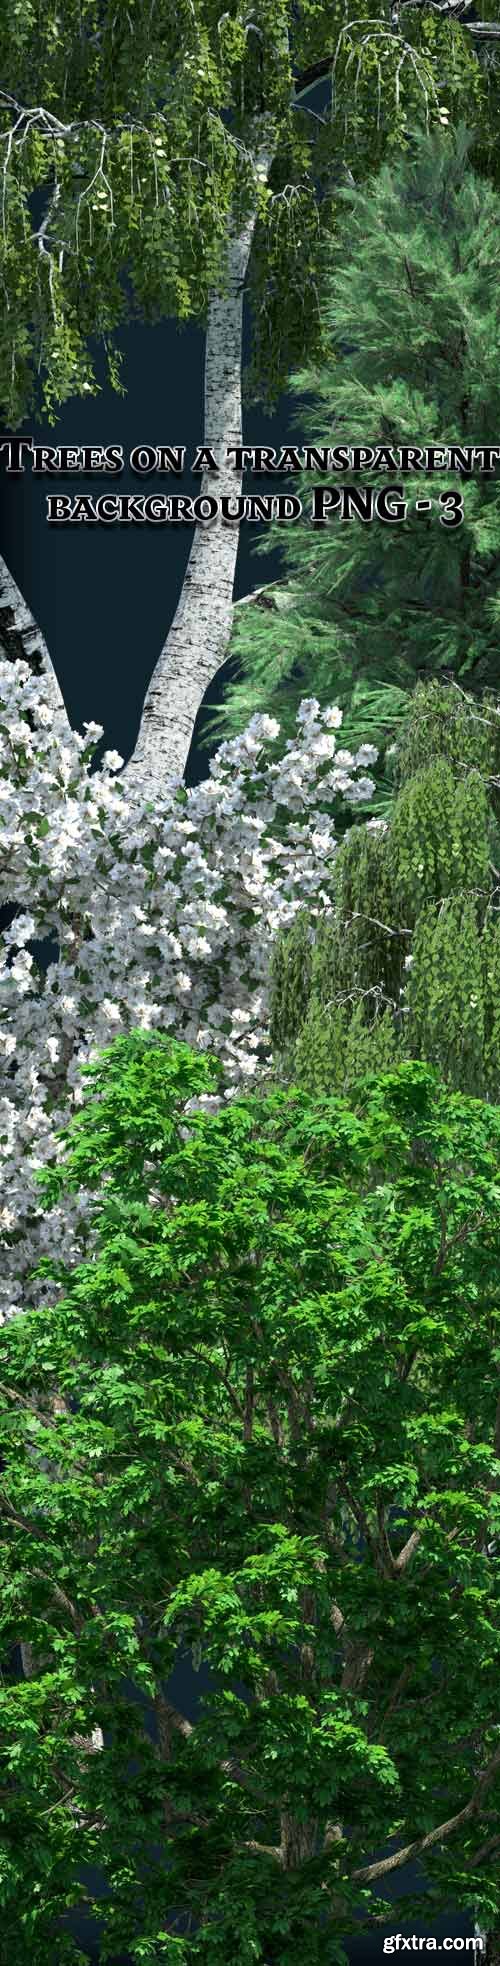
(160, 915)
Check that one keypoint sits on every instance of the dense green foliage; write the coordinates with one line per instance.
(412, 358)
(134, 126)
(260, 1425)
(407, 963)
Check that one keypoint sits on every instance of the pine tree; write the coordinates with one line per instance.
(407, 963)
(413, 341)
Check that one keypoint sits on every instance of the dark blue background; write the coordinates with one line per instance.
(104, 598)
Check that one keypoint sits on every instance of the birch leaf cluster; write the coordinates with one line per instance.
(128, 140)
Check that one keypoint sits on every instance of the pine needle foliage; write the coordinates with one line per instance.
(412, 332)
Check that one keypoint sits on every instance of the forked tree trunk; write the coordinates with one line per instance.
(197, 642)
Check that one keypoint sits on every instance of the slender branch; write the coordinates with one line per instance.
(264, 1850)
(29, 1405)
(361, 915)
(264, 595)
(60, 1803)
(249, 1404)
(60, 1597)
(492, 1843)
(368, 1873)
(445, 1247)
(169, 1721)
(19, 1521)
(400, 1562)
(395, 1699)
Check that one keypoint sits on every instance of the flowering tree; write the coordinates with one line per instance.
(161, 914)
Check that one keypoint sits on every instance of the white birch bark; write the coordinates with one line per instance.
(22, 641)
(197, 641)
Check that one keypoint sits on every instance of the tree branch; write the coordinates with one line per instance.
(368, 1873)
(169, 1721)
(60, 1597)
(264, 1850)
(400, 1562)
(445, 1247)
(451, 9)
(492, 1843)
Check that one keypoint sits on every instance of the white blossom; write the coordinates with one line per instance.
(113, 761)
(161, 917)
(367, 754)
(333, 717)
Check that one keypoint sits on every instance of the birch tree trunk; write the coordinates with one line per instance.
(488, 1946)
(197, 641)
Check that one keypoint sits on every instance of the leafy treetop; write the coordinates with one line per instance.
(128, 140)
(261, 1426)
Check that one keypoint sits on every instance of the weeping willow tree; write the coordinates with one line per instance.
(412, 345)
(407, 963)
